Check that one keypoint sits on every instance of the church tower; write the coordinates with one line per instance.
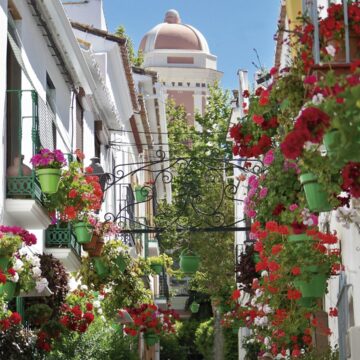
(180, 55)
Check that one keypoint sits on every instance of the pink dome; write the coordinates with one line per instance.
(173, 35)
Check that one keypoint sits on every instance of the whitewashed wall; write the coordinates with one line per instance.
(3, 46)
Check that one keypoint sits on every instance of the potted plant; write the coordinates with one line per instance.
(11, 239)
(142, 191)
(331, 28)
(8, 284)
(78, 196)
(101, 231)
(151, 322)
(194, 307)
(158, 262)
(245, 268)
(189, 261)
(38, 314)
(48, 166)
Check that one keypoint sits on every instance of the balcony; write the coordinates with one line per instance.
(24, 199)
(161, 298)
(62, 244)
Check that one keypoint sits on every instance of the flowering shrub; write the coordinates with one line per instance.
(26, 268)
(12, 237)
(351, 179)
(75, 317)
(78, 194)
(245, 270)
(48, 159)
(275, 313)
(123, 287)
(151, 320)
(332, 27)
(309, 126)
(104, 228)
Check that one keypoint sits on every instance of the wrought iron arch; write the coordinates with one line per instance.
(163, 170)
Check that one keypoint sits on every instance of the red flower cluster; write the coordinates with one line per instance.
(148, 318)
(294, 294)
(334, 22)
(243, 142)
(351, 178)
(28, 238)
(310, 126)
(74, 319)
(84, 197)
(12, 320)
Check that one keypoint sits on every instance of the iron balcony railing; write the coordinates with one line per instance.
(23, 107)
(310, 9)
(60, 237)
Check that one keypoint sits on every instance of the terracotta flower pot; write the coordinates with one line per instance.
(95, 246)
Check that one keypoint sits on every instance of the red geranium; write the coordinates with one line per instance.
(351, 178)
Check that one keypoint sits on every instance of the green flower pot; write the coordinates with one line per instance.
(256, 258)
(141, 194)
(235, 330)
(120, 262)
(156, 268)
(189, 263)
(150, 339)
(316, 197)
(307, 302)
(100, 267)
(83, 232)
(336, 151)
(8, 290)
(4, 263)
(194, 307)
(299, 238)
(315, 286)
(49, 180)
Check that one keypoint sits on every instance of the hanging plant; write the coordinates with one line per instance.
(48, 166)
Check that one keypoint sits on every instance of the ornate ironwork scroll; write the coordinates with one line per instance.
(213, 178)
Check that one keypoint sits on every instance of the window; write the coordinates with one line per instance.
(47, 116)
(13, 106)
(79, 126)
(97, 146)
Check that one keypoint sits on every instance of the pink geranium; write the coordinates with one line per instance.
(48, 159)
(269, 157)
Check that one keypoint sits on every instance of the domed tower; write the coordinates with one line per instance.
(180, 55)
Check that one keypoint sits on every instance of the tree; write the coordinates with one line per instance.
(135, 60)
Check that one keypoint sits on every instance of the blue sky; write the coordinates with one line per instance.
(232, 27)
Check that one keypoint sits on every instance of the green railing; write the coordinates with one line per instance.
(60, 237)
(145, 236)
(22, 186)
